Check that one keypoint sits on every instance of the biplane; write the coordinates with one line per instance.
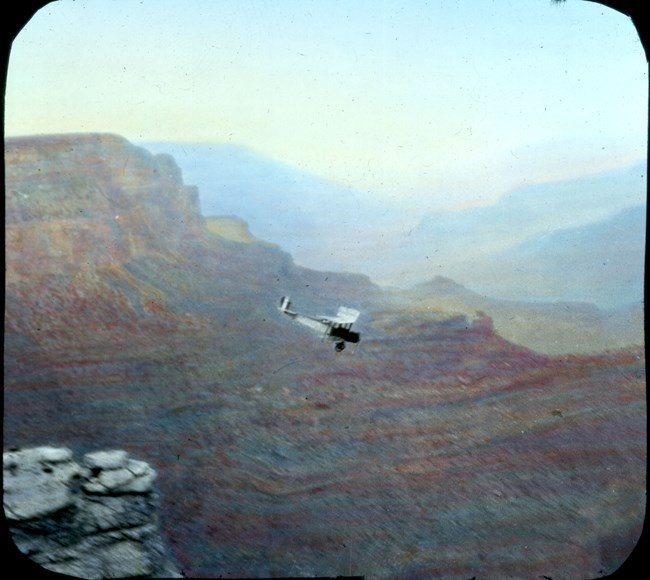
(337, 329)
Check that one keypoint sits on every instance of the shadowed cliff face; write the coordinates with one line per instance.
(435, 449)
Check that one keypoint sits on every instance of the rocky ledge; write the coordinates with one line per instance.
(94, 519)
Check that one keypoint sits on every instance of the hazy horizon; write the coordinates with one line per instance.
(372, 122)
(431, 104)
(330, 227)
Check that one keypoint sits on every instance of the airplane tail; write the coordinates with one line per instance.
(285, 304)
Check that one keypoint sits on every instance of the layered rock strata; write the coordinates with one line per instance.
(91, 201)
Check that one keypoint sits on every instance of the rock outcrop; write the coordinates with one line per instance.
(97, 519)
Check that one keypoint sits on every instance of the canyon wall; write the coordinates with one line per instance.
(91, 201)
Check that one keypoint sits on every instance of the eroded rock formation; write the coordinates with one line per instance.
(94, 519)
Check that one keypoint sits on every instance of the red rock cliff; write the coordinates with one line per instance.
(87, 201)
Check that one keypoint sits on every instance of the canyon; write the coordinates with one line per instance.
(439, 447)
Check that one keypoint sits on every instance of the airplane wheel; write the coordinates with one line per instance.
(339, 346)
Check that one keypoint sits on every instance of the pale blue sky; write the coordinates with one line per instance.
(442, 103)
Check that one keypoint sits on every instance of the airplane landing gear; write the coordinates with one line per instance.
(339, 346)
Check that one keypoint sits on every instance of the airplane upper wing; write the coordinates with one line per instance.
(346, 315)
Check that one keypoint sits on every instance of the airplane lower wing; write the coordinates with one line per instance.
(312, 323)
